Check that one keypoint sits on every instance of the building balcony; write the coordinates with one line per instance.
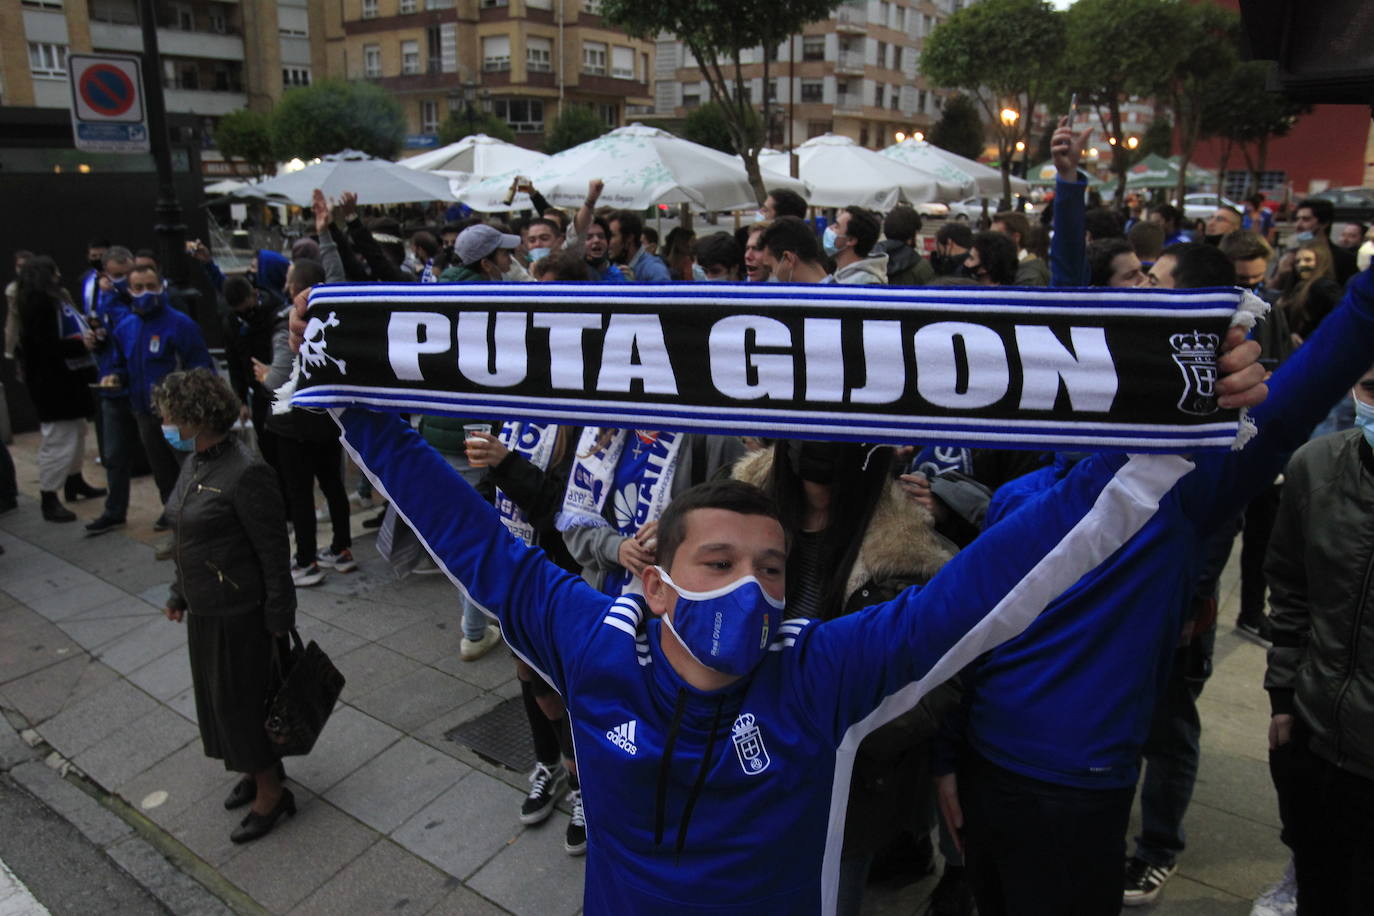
(850, 62)
(610, 85)
(849, 102)
(852, 18)
(107, 36)
(204, 102)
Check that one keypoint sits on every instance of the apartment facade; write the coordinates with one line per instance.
(857, 73)
(522, 60)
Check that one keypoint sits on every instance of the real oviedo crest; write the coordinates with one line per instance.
(753, 756)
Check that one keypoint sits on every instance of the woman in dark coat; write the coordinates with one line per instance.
(233, 585)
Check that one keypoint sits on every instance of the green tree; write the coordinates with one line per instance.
(1207, 40)
(333, 115)
(458, 125)
(716, 32)
(247, 134)
(708, 125)
(574, 126)
(1246, 115)
(1006, 54)
(960, 128)
(1115, 49)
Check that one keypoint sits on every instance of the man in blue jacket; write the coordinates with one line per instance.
(153, 340)
(716, 737)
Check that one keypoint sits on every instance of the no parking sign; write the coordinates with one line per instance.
(108, 115)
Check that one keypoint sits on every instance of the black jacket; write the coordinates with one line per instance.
(232, 553)
(539, 494)
(58, 368)
(905, 266)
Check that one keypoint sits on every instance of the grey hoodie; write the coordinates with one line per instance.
(871, 271)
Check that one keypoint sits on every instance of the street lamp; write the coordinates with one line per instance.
(462, 97)
(1132, 142)
(918, 137)
(899, 136)
(1010, 116)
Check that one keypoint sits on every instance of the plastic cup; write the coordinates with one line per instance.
(470, 431)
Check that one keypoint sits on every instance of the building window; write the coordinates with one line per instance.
(818, 128)
(295, 76)
(409, 6)
(48, 61)
(43, 4)
(183, 18)
(921, 100)
(496, 53)
(623, 63)
(525, 116)
(538, 4)
(369, 9)
(881, 60)
(538, 54)
(429, 117)
(813, 47)
(372, 60)
(592, 7)
(488, 4)
(410, 57)
(608, 113)
(594, 58)
(438, 4)
(691, 99)
(893, 97)
(878, 94)
(812, 91)
(441, 48)
(772, 89)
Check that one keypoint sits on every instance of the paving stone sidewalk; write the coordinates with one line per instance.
(393, 815)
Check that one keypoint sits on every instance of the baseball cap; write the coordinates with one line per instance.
(481, 241)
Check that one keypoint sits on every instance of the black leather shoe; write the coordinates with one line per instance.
(257, 825)
(244, 791)
(53, 510)
(76, 488)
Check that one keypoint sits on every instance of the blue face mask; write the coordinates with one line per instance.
(146, 303)
(173, 437)
(726, 629)
(1304, 236)
(1364, 419)
(828, 239)
(537, 253)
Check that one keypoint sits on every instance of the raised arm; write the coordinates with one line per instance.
(1068, 247)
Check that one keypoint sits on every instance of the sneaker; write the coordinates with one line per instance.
(425, 566)
(575, 843)
(1256, 628)
(375, 521)
(304, 576)
(1144, 881)
(472, 649)
(339, 562)
(1279, 899)
(359, 501)
(547, 785)
(163, 523)
(164, 549)
(103, 525)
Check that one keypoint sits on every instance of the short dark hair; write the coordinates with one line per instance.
(1197, 266)
(426, 242)
(557, 217)
(1323, 209)
(863, 228)
(116, 254)
(630, 225)
(719, 249)
(789, 233)
(1244, 245)
(306, 273)
(237, 289)
(997, 254)
(1101, 253)
(563, 264)
(148, 268)
(98, 242)
(787, 202)
(603, 223)
(1147, 239)
(730, 495)
(1015, 222)
(148, 253)
(543, 221)
(1171, 215)
(960, 234)
(902, 223)
(1102, 223)
(650, 235)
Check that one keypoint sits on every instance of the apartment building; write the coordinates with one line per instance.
(522, 60)
(857, 73)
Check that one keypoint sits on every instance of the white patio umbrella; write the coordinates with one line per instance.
(641, 166)
(476, 155)
(977, 179)
(841, 172)
(375, 181)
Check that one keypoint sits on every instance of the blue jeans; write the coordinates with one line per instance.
(116, 453)
(475, 623)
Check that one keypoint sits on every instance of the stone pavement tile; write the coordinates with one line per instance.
(14, 750)
(179, 892)
(156, 594)
(29, 643)
(1183, 896)
(396, 783)
(1231, 853)
(176, 784)
(302, 853)
(1237, 784)
(166, 676)
(97, 823)
(463, 828)
(334, 641)
(130, 750)
(369, 667)
(384, 879)
(136, 648)
(47, 691)
(107, 622)
(371, 619)
(427, 641)
(488, 672)
(204, 825)
(463, 902)
(416, 698)
(87, 721)
(533, 876)
(1244, 733)
(184, 704)
(113, 558)
(60, 605)
(42, 575)
(349, 740)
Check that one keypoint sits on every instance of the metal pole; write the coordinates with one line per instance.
(793, 165)
(168, 227)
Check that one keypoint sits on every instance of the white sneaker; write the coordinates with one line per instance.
(305, 576)
(472, 649)
(1279, 899)
(358, 501)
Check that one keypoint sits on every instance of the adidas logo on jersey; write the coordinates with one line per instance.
(623, 737)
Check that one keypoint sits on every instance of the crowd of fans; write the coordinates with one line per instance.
(983, 773)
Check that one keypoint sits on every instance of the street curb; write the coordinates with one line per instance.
(169, 871)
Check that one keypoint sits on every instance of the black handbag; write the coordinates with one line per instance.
(309, 687)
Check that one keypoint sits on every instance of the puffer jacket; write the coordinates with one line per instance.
(1320, 569)
(232, 553)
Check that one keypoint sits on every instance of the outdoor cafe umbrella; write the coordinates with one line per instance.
(375, 181)
(1045, 173)
(973, 178)
(476, 155)
(841, 172)
(641, 167)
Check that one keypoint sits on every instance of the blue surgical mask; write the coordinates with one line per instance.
(727, 629)
(173, 437)
(698, 274)
(537, 253)
(1364, 419)
(122, 284)
(759, 217)
(1304, 236)
(145, 303)
(828, 239)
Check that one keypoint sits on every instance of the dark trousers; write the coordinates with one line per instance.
(9, 485)
(1033, 848)
(1254, 543)
(1328, 822)
(117, 450)
(164, 460)
(302, 463)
